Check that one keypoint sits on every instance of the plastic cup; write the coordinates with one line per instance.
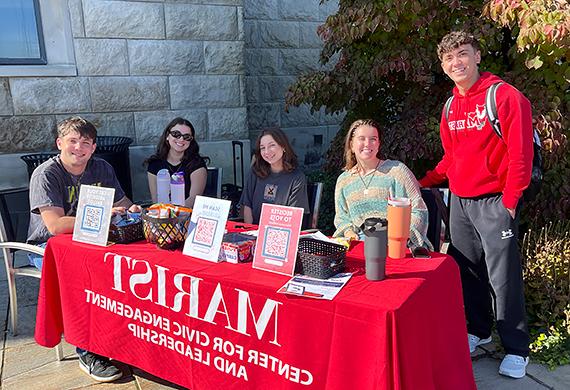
(399, 218)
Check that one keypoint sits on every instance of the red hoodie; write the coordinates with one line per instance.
(476, 161)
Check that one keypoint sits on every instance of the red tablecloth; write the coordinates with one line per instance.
(223, 326)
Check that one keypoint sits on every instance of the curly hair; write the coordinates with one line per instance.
(190, 154)
(455, 39)
(260, 167)
(349, 157)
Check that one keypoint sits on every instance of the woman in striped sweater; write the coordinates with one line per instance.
(362, 190)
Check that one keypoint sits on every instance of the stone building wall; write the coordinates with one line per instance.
(139, 64)
(281, 42)
(136, 64)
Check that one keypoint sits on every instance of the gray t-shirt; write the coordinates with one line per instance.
(283, 188)
(52, 185)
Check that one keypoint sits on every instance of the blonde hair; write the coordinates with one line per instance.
(349, 157)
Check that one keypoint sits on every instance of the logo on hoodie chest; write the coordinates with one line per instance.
(475, 120)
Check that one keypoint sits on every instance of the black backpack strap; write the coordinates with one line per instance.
(443, 209)
(491, 108)
(447, 107)
(536, 138)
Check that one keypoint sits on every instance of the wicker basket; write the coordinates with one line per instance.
(319, 259)
(166, 233)
(126, 234)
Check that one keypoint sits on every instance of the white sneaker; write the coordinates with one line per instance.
(513, 366)
(475, 341)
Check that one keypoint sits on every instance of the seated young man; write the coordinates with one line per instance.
(54, 193)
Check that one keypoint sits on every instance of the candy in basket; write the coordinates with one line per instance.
(166, 225)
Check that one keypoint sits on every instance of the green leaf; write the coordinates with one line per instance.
(534, 63)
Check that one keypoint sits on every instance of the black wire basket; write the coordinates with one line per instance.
(166, 233)
(126, 234)
(319, 259)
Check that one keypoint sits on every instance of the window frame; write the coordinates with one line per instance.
(42, 60)
(58, 42)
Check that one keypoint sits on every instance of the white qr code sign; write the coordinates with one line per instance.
(92, 218)
(209, 218)
(93, 215)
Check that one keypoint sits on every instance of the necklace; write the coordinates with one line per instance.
(76, 179)
(366, 185)
(74, 192)
(174, 168)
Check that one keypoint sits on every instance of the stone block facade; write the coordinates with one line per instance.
(281, 43)
(138, 59)
(223, 64)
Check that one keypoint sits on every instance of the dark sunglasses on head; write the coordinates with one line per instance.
(176, 134)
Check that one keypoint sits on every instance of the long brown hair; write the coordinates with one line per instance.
(261, 167)
(163, 147)
(349, 157)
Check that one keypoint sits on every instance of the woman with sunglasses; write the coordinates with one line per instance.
(274, 176)
(178, 151)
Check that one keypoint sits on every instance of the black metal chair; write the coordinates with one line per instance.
(14, 220)
(315, 193)
(434, 199)
(214, 183)
(115, 150)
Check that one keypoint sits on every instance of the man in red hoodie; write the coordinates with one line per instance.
(487, 176)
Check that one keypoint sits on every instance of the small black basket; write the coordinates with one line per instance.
(126, 234)
(319, 259)
(166, 233)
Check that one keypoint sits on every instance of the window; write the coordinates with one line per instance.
(21, 38)
(36, 38)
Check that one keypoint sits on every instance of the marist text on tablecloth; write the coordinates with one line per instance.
(225, 355)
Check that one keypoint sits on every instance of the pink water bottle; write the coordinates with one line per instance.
(177, 189)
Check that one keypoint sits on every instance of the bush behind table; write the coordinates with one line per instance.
(381, 62)
(546, 258)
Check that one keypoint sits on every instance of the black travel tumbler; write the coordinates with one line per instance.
(375, 244)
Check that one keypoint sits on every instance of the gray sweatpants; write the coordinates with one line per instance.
(484, 243)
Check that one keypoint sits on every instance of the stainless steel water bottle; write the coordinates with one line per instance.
(375, 244)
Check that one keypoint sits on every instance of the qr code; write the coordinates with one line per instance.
(92, 218)
(276, 243)
(205, 230)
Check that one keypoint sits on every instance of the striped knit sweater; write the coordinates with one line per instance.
(353, 206)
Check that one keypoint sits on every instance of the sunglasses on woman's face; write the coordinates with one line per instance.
(176, 134)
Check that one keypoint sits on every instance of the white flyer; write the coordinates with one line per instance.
(207, 227)
(305, 286)
(93, 215)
